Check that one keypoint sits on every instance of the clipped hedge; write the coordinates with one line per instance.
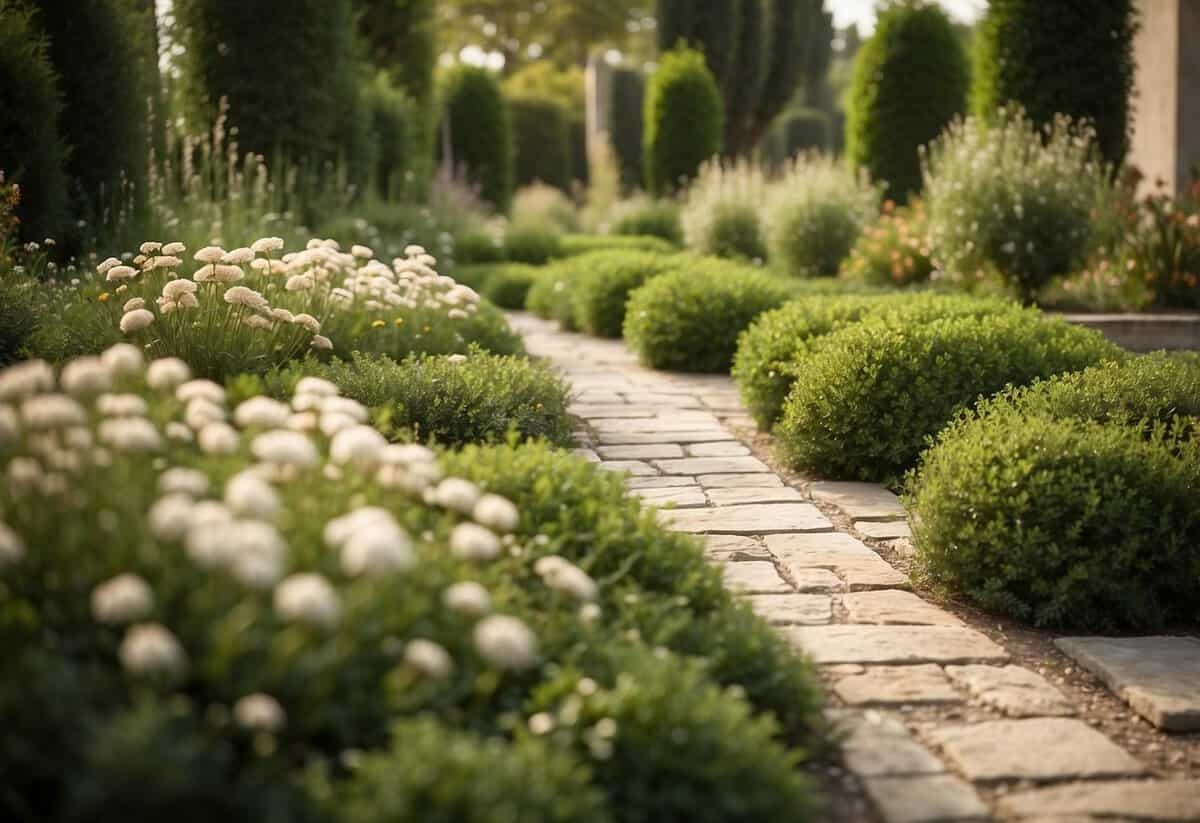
(683, 118)
(654, 218)
(541, 141)
(689, 319)
(480, 132)
(550, 296)
(573, 245)
(867, 397)
(605, 282)
(508, 284)
(535, 243)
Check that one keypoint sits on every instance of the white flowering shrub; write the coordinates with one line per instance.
(1011, 198)
(222, 607)
(722, 208)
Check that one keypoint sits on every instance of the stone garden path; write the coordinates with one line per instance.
(939, 724)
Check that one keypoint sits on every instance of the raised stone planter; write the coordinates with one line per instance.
(1145, 332)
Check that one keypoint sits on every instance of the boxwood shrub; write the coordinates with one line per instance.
(529, 242)
(867, 397)
(550, 296)
(689, 319)
(573, 245)
(1062, 522)
(508, 284)
(604, 283)
(654, 218)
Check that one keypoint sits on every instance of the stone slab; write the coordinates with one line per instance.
(793, 609)
(859, 501)
(685, 497)
(711, 465)
(1042, 748)
(897, 685)
(736, 481)
(765, 518)
(674, 422)
(897, 645)
(722, 448)
(1014, 690)
(755, 577)
(693, 435)
(608, 411)
(937, 798)
(883, 531)
(856, 563)
(816, 580)
(738, 496)
(1159, 676)
(661, 399)
(875, 745)
(633, 467)
(649, 451)
(721, 543)
(895, 607)
(587, 454)
(1139, 799)
(670, 481)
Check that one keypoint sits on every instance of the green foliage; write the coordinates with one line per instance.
(452, 402)
(748, 75)
(400, 37)
(19, 312)
(398, 147)
(1059, 58)
(910, 80)
(689, 319)
(710, 27)
(30, 144)
(508, 284)
(866, 398)
(1062, 522)
(794, 132)
(735, 232)
(541, 203)
(1010, 198)
(436, 773)
(541, 141)
(815, 215)
(574, 245)
(551, 295)
(721, 213)
(651, 218)
(477, 245)
(533, 242)
(421, 330)
(477, 117)
(628, 103)
(683, 120)
(893, 252)
(605, 281)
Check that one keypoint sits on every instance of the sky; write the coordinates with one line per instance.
(862, 12)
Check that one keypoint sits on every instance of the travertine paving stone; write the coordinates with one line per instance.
(755, 577)
(763, 518)
(1158, 676)
(662, 399)
(725, 448)
(693, 435)
(1043, 748)
(859, 566)
(634, 467)
(659, 482)
(711, 465)
(1142, 799)
(686, 497)
(897, 685)
(1014, 690)
(875, 745)
(738, 496)
(646, 452)
(895, 644)
(718, 543)
(586, 454)
(883, 531)
(895, 607)
(859, 501)
(793, 609)
(940, 798)
(737, 481)
(590, 411)
(816, 580)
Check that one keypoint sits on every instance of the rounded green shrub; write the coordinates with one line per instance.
(477, 246)
(1011, 198)
(651, 218)
(539, 202)
(1059, 58)
(551, 295)
(866, 398)
(33, 152)
(480, 132)
(535, 243)
(910, 80)
(541, 141)
(604, 283)
(815, 214)
(689, 319)
(684, 119)
(721, 213)
(1062, 522)
(628, 101)
(574, 245)
(508, 284)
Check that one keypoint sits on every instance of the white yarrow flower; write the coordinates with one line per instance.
(209, 254)
(151, 649)
(123, 599)
(24, 379)
(218, 438)
(201, 388)
(122, 405)
(261, 413)
(123, 359)
(316, 386)
(284, 448)
(248, 495)
(85, 376)
(359, 445)
(167, 373)
(428, 658)
(260, 713)
(264, 245)
(562, 575)
(178, 480)
(471, 541)
(505, 642)
(308, 598)
(457, 494)
(377, 548)
(136, 320)
(129, 434)
(497, 513)
(468, 598)
(52, 411)
(170, 517)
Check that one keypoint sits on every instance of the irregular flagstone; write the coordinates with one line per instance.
(883, 531)
(661, 399)
(793, 609)
(676, 422)
(659, 482)
(875, 745)
(1158, 676)
(735, 481)
(586, 454)
(633, 467)
(722, 402)
(895, 607)
(1042, 748)
(1141, 799)
(691, 435)
(711, 465)
(755, 577)
(733, 543)
(685, 497)
(645, 452)
(897, 685)
(1014, 690)
(857, 564)
(859, 501)
(895, 644)
(721, 448)
(929, 799)
(600, 411)
(816, 580)
(764, 518)
(754, 494)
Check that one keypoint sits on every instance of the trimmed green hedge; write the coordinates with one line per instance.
(657, 218)
(480, 132)
(573, 245)
(550, 296)
(541, 141)
(534, 243)
(684, 119)
(605, 282)
(689, 319)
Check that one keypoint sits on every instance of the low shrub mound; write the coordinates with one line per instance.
(576, 244)
(721, 212)
(866, 398)
(653, 218)
(604, 283)
(1062, 522)
(551, 295)
(508, 284)
(770, 351)
(455, 399)
(533, 243)
(689, 319)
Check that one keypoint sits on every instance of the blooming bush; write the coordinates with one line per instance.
(895, 251)
(721, 212)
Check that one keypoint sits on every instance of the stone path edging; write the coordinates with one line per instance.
(882, 650)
